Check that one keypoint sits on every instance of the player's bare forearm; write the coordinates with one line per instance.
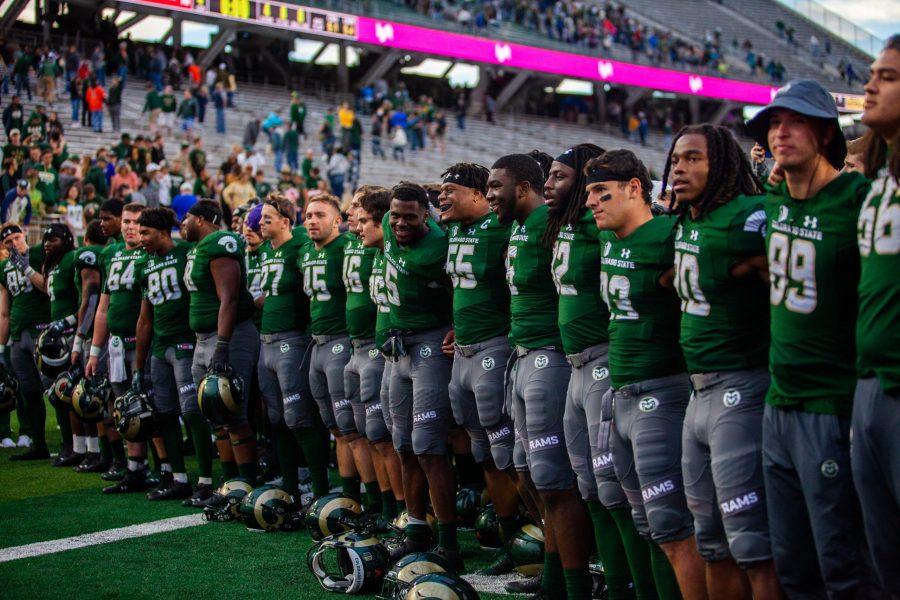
(144, 333)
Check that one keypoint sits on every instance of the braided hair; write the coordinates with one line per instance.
(471, 172)
(572, 206)
(730, 172)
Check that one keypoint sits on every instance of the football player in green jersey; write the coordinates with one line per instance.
(87, 282)
(876, 419)
(724, 310)
(650, 388)
(114, 333)
(24, 311)
(371, 213)
(418, 293)
(813, 265)
(539, 373)
(363, 374)
(479, 341)
(284, 335)
(583, 323)
(163, 335)
(221, 314)
(321, 261)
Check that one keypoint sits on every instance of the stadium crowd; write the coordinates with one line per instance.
(667, 382)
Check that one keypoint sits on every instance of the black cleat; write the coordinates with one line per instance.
(531, 585)
(92, 463)
(133, 481)
(115, 472)
(34, 453)
(154, 478)
(407, 546)
(69, 459)
(202, 493)
(454, 557)
(165, 480)
(501, 563)
(173, 490)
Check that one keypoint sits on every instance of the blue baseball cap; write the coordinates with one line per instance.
(808, 98)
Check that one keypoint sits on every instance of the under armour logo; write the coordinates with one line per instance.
(626, 253)
(810, 222)
(694, 235)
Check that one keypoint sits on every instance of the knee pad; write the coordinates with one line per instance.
(429, 438)
(669, 519)
(501, 438)
(611, 494)
(550, 467)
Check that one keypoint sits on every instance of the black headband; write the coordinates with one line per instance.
(205, 211)
(601, 174)
(463, 178)
(58, 230)
(8, 231)
(567, 158)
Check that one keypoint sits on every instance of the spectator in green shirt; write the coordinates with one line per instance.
(298, 114)
(291, 145)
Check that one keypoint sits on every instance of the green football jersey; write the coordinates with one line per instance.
(378, 292)
(64, 296)
(120, 282)
(533, 300)
(724, 321)
(583, 316)
(254, 281)
(476, 265)
(644, 316)
(878, 324)
(198, 279)
(417, 287)
(360, 309)
(286, 307)
(162, 283)
(814, 274)
(29, 307)
(324, 285)
(87, 257)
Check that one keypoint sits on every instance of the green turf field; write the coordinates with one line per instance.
(39, 503)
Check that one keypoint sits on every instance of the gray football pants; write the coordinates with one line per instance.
(477, 394)
(282, 382)
(814, 518)
(174, 390)
(330, 354)
(722, 465)
(362, 384)
(243, 352)
(875, 455)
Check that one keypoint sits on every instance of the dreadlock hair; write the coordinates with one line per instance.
(876, 153)
(543, 159)
(475, 173)
(572, 206)
(62, 231)
(730, 171)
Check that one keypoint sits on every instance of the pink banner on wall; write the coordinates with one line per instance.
(483, 50)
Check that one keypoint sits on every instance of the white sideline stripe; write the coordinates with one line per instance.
(491, 584)
(99, 537)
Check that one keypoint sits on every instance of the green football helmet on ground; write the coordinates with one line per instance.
(441, 586)
(332, 514)
(221, 396)
(53, 352)
(226, 501)
(133, 416)
(348, 563)
(405, 570)
(487, 528)
(268, 508)
(468, 503)
(527, 550)
(9, 390)
(90, 398)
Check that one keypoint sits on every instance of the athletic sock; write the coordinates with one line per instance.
(509, 526)
(468, 472)
(286, 450)
(105, 448)
(180, 477)
(401, 505)
(447, 536)
(350, 486)
(170, 432)
(610, 550)
(203, 445)
(663, 574)
(388, 505)
(552, 580)
(79, 444)
(578, 584)
(638, 552)
(417, 532)
(118, 450)
(94, 444)
(310, 441)
(248, 471)
(65, 426)
(372, 498)
(229, 469)
(136, 464)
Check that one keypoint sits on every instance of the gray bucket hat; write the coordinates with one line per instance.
(808, 98)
